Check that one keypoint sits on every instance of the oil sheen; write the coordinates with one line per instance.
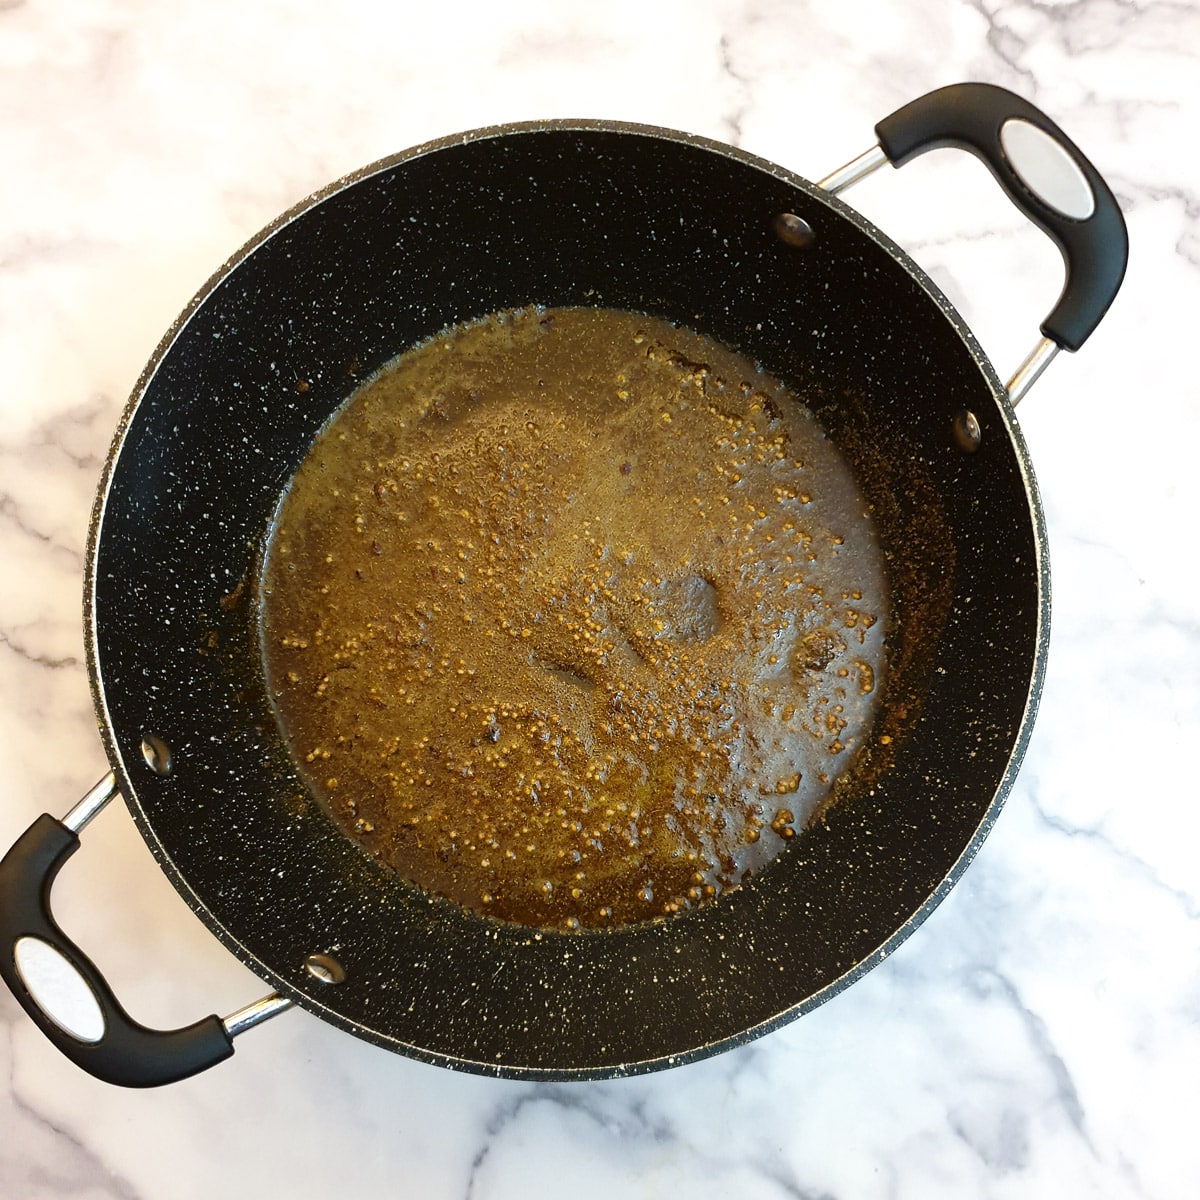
(574, 617)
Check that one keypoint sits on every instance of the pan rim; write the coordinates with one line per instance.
(92, 634)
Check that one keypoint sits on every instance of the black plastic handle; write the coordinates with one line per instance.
(127, 1053)
(970, 116)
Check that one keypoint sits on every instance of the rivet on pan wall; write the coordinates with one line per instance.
(793, 230)
(157, 754)
(325, 967)
(967, 434)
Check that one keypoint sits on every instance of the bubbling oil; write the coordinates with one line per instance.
(574, 617)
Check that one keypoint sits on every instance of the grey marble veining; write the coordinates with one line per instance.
(1040, 1034)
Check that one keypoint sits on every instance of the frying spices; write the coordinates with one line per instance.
(574, 616)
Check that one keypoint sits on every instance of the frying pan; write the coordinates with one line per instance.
(563, 213)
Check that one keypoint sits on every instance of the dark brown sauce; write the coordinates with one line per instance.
(574, 617)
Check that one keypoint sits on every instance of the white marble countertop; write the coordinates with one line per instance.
(1040, 1034)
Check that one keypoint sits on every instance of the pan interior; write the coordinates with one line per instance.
(566, 215)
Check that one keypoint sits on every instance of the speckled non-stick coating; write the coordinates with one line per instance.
(556, 213)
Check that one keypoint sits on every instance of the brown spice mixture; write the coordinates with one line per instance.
(574, 617)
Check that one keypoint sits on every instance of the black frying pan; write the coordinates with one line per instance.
(564, 213)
